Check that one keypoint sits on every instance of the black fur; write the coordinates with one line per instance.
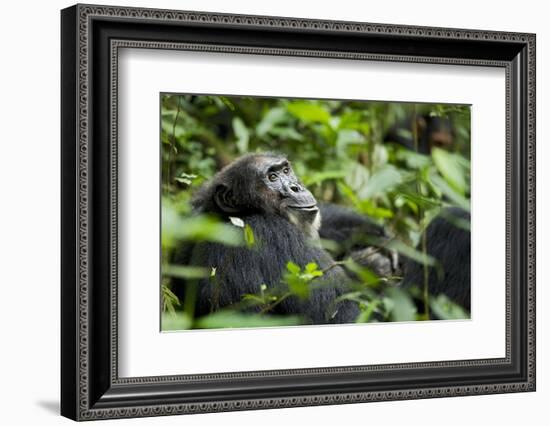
(450, 245)
(346, 227)
(241, 270)
(351, 230)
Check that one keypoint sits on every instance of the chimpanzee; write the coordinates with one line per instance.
(262, 192)
(431, 132)
(449, 244)
(447, 241)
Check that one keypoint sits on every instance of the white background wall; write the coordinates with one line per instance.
(29, 211)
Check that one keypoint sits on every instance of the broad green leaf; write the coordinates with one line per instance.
(319, 177)
(308, 112)
(273, 117)
(365, 274)
(450, 192)
(346, 137)
(402, 306)
(456, 221)
(443, 308)
(380, 182)
(379, 156)
(286, 133)
(412, 159)
(451, 169)
(197, 228)
(242, 134)
(358, 177)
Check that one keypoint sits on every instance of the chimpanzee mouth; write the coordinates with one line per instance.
(309, 208)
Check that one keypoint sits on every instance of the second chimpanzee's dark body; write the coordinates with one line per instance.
(431, 132)
(262, 191)
(450, 246)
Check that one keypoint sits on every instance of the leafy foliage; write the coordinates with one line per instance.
(337, 149)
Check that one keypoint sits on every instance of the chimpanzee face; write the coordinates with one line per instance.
(283, 187)
(264, 183)
(286, 194)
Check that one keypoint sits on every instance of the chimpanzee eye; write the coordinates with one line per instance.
(272, 177)
(286, 170)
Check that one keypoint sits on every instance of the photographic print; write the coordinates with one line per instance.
(292, 212)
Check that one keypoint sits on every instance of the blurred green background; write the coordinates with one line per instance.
(337, 148)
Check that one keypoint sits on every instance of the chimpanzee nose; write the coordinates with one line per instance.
(295, 188)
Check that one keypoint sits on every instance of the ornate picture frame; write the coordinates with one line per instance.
(91, 37)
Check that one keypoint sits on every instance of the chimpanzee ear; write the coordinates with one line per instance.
(225, 199)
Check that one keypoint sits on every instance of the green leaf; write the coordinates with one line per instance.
(197, 228)
(286, 133)
(358, 177)
(175, 321)
(293, 268)
(365, 315)
(186, 272)
(412, 159)
(365, 274)
(418, 200)
(249, 235)
(273, 117)
(450, 192)
(416, 255)
(347, 137)
(297, 285)
(185, 178)
(380, 182)
(402, 305)
(443, 308)
(451, 169)
(402, 248)
(456, 221)
(318, 177)
(242, 134)
(379, 156)
(232, 319)
(227, 102)
(308, 112)
(169, 300)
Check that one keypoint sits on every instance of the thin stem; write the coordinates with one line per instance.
(421, 217)
(272, 305)
(173, 143)
(425, 293)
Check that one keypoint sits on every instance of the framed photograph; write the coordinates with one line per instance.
(263, 212)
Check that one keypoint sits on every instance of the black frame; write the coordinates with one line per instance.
(90, 386)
